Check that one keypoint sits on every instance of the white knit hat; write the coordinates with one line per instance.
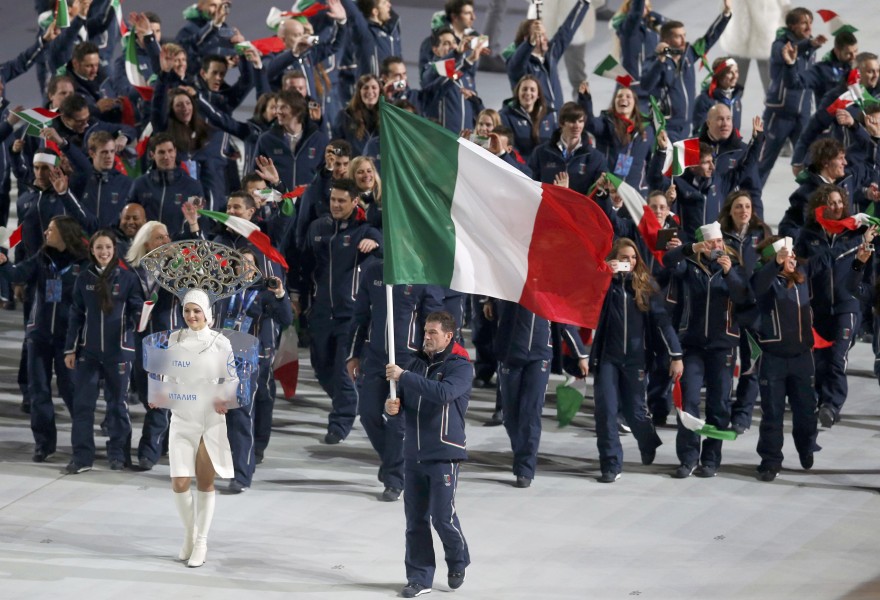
(200, 299)
(710, 231)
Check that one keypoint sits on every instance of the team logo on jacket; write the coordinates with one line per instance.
(346, 240)
(545, 364)
(407, 290)
(312, 152)
(641, 375)
(447, 480)
(116, 289)
(317, 238)
(75, 270)
(582, 169)
(277, 151)
(178, 199)
(378, 282)
(728, 360)
(114, 198)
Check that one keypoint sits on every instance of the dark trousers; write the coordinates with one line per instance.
(714, 369)
(429, 498)
(792, 378)
(483, 336)
(42, 358)
(328, 354)
(831, 383)
(240, 432)
(522, 389)
(746, 387)
(385, 432)
(659, 387)
(777, 129)
(621, 389)
(264, 405)
(86, 376)
(156, 420)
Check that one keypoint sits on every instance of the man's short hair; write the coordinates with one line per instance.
(435, 35)
(244, 197)
(844, 39)
(571, 112)
(453, 7)
(152, 17)
(863, 57)
(340, 147)
(157, 139)
(73, 104)
(346, 185)
(505, 131)
(212, 58)
(296, 102)
(83, 49)
(824, 150)
(795, 15)
(53, 84)
(385, 69)
(706, 150)
(667, 27)
(444, 319)
(98, 139)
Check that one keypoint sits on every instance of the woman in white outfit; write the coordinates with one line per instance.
(197, 443)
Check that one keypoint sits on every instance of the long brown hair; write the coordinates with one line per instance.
(361, 113)
(102, 287)
(725, 219)
(539, 110)
(820, 198)
(188, 137)
(791, 278)
(642, 282)
(620, 126)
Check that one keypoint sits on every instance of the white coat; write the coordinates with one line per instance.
(752, 28)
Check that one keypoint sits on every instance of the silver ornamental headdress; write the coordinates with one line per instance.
(217, 270)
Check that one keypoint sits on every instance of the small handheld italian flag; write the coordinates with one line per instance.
(302, 9)
(446, 68)
(62, 17)
(285, 365)
(37, 119)
(635, 205)
(132, 72)
(695, 424)
(835, 23)
(248, 230)
(116, 5)
(852, 223)
(10, 238)
(683, 154)
(610, 68)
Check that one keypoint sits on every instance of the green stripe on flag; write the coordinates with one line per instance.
(420, 166)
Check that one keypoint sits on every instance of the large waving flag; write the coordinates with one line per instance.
(457, 216)
(835, 23)
(646, 220)
(683, 154)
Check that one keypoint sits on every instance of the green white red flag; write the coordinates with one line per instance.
(835, 23)
(683, 154)
(457, 216)
(37, 119)
(62, 16)
(132, 72)
(610, 68)
(645, 220)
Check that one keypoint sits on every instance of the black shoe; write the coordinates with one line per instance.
(683, 471)
(492, 63)
(497, 418)
(608, 477)
(807, 461)
(767, 474)
(117, 465)
(648, 457)
(258, 457)
(25, 407)
(391, 494)
(414, 589)
(604, 13)
(332, 438)
(236, 487)
(74, 469)
(522, 481)
(145, 464)
(706, 471)
(40, 456)
(826, 416)
(455, 579)
(738, 428)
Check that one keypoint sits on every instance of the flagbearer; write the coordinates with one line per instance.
(708, 278)
(434, 392)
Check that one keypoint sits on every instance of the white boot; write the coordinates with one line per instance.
(204, 515)
(184, 502)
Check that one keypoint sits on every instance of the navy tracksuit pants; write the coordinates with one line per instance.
(43, 357)
(385, 432)
(522, 389)
(328, 354)
(782, 377)
(264, 405)
(429, 498)
(240, 432)
(746, 387)
(831, 383)
(659, 388)
(619, 388)
(82, 436)
(714, 369)
(777, 129)
(156, 420)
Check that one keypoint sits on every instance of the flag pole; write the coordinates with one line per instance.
(389, 321)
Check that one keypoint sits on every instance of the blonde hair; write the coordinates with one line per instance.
(138, 248)
(355, 164)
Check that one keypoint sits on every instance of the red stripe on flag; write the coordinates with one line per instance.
(288, 376)
(835, 226)
(649, 226)
(569, 230)
(296, 192)
(819, 342)
(45, 112)
(269, 45)
(15, 238)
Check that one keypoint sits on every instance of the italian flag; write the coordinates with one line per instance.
(635, 206)
(37, 119)
(610, 68)
(684, 154)
(852, 223)
(285, 365)
(457, 216)
(301, 9)
(446, 68)
(135, 77)
(835, 23)
(264, 46)
(695, 424)
(144, 140)
(10, 238)
(854, 94)
(62, 18)
(250, 231)
(120, 20)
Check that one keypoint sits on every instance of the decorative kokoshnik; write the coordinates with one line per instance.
(200, 272)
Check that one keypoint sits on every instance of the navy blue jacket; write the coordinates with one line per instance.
(262, 307)
(434, 395)
(345, 127)
(584, 166)
(786, 98)
(796, 213)
(162, 193)
(704, 103)
(332, 39)
(625, 333)
(522, 62)
(831, 258)
(299, 166)
(107, 337)
(167, 313)
(786, 319)
(675, 85)
(638, 37)
(102, 193)
(823, 76)
(442, 97)
(331, 264)
(520, 122)
(199, 38)
(312, 205)
(708, 320)
(372, 42)
(248, 131)
(369, 334)
(47, 322)
(37, 207)
(524, 337)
